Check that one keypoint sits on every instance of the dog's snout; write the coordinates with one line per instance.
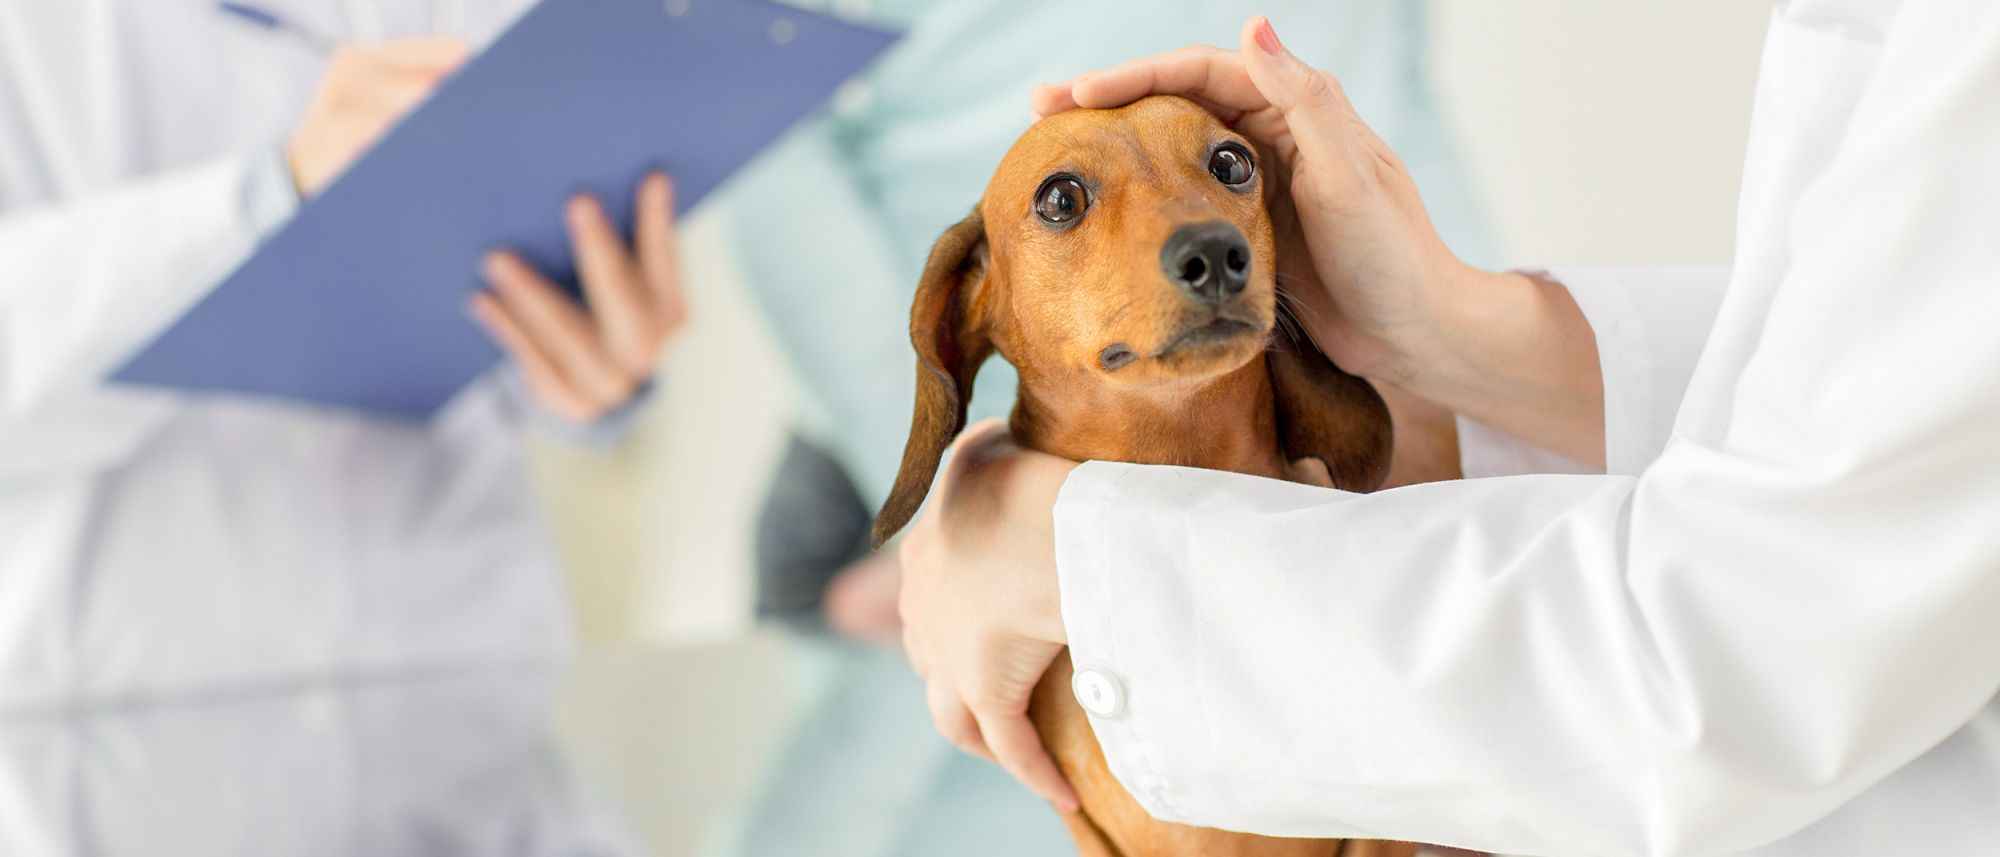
(1210, 260)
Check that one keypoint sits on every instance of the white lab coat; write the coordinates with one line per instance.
(436, 767)
(156, 542)
(1774, 627)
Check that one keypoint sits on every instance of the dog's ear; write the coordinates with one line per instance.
(948, 328)
(1327, 414)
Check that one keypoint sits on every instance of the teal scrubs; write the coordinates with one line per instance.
(833, 225)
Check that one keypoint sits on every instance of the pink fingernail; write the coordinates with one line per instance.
(1267, 38)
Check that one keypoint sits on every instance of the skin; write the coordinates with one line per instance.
(579, 363)
(1055, 300)
(1383, 297)
(366, 88)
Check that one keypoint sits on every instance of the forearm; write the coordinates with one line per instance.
(89, 281)
(1514, 352)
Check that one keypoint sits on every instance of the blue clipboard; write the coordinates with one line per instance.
(359, 302)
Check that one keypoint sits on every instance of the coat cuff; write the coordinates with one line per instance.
(270, 195)
(1091, 601)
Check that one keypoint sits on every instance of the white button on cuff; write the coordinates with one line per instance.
(1098, 693)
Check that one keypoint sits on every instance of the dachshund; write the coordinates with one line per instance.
(1124, 262)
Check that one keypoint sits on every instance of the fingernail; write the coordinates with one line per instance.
(495, 265)
(1267, 38)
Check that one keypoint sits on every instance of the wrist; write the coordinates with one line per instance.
(1513, 351)
(295, 170)
(1437, 347)
(1036, 491)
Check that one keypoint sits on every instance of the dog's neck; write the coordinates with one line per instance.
(1225, 423)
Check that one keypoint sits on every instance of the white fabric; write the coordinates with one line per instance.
(156, 543)
(450, 765)
(1782, 632)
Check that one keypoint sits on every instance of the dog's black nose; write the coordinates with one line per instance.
(1211, 260)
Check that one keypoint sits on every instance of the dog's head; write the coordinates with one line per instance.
(1125, 250)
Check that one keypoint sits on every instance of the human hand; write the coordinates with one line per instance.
(583, 363)
(365, 90)
(1374, 270)
(1375, 286)
(982, 618)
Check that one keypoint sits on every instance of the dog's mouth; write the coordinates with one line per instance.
(1216, 331)
(1212, 335)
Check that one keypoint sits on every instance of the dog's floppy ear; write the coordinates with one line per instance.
(1327, 414)
(948, 328)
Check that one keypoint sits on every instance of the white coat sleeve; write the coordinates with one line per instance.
(1695, 660)
(1650, 326)
(87, 282)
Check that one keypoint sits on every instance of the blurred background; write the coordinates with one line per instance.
(1607, 132)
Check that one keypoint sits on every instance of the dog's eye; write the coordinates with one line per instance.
(1061, 199)
(1231, 164)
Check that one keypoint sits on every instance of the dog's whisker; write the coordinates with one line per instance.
(1301, 313)
(1288, 321)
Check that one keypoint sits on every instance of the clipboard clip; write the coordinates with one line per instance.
(783, 30)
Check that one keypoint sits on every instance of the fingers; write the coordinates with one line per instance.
(1316, 110)
(393, 98)
(1013, 742)
(544, 380)
(1006, 739)
(559, 329)
(1048, 99)
(955, 721)
(1214, 77)
(364, 92)
(620, 301)
(979, 676)
(1286, 81)
(432, 56)
(659, 253)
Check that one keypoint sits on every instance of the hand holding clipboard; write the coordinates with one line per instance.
(359, 301)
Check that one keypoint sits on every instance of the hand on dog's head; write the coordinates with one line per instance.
(1118, 252)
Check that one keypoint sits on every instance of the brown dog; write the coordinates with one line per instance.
(1123, 261)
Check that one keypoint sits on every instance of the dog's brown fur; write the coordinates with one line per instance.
(1052, 300)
